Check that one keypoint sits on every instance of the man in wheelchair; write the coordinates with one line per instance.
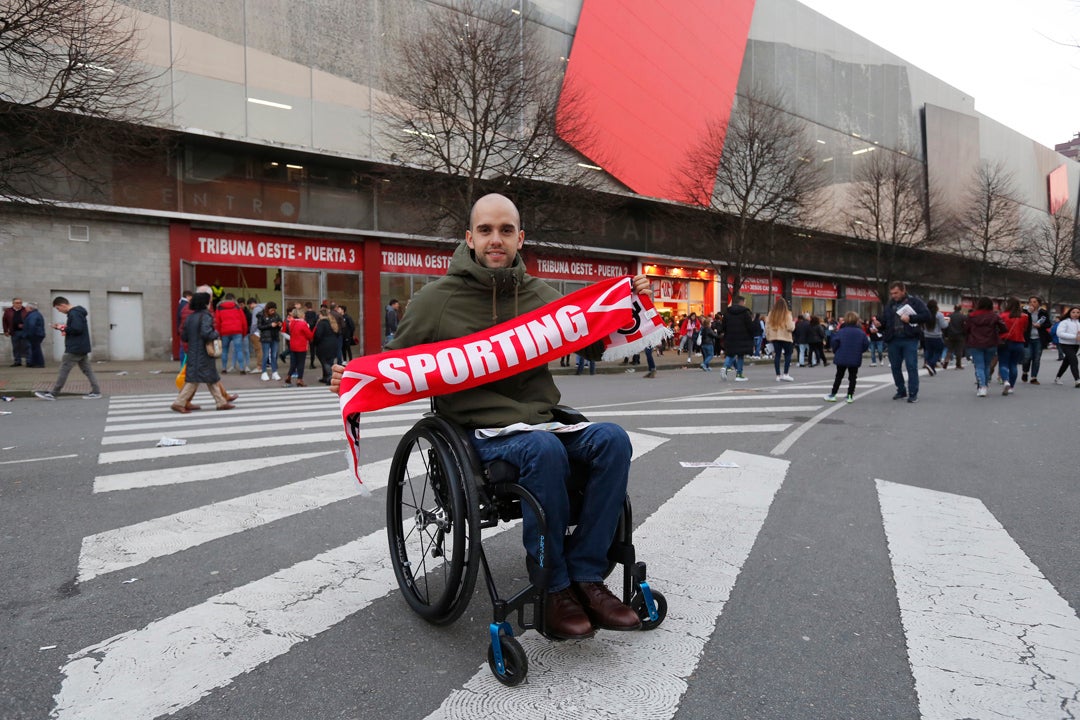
(512, 420)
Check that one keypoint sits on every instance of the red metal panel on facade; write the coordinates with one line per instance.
(644, 80)
(235, 248)
(1058, 182)
(570, 268)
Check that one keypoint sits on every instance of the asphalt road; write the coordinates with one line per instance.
(842, 571)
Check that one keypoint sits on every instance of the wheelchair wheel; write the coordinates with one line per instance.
(637, 602)
(515, 662)
(434, 539)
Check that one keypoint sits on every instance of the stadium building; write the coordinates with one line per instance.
(277, 181)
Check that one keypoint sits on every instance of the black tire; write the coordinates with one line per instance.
(638, 603)
(514, 660)
(434, 539)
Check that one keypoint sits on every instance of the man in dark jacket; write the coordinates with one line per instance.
(13, 328)
(76, 349)
(487, 284)
(738, 332)
(34, 331)
(1039, 337)
(904, 316)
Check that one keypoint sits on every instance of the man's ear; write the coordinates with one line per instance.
(469, 240)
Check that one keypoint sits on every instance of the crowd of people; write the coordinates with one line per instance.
(1009, 341)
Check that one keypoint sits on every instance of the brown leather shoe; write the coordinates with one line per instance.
(180, 408)
(190, 406)
(604, 609)
(300, 383)
(227, 406)
(232, 397)
(564, 619)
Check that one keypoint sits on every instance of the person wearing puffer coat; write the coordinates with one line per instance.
(848, 345)
(299, 337)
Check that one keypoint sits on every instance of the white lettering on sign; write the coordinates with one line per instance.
(580, 268)
(483, 357)
(276, 250)
(226, 246)
(415, 260)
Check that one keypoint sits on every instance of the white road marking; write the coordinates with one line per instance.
(42, 459)
(750, 396)
(987, 634)
(132, 545)
(704, 411)
(185, 656)
(194, 473)
(282, 429)
(201, 420)
(784, 445)
(695, 545)
(717, 429)
(336, 436)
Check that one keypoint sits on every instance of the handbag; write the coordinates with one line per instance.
(213, 348)
(181, 377)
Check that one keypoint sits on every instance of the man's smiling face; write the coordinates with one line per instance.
(495, 235)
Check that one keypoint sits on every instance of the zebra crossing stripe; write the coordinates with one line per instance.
(695, 545)
(326, 420)
(185, 656)
(704, 411)
(302, 440)
(718, 429)
(194, 473)
(987, 633)
(132, 545)
(174, 422)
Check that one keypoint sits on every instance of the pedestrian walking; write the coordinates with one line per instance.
(904, 316)
(1068, 334)
(1038, 338)
(738, 332)
(982, 328)
(953, 335)
(848, 345)
(877, 341)
(269, 335)
(801, 338)
(232, 325)
(779, 326)
(327, 342)
(933, 337)
(299, 337)
(77, 344)
(708, 345)
(1011, 351)
(200, 368)
(817, 337)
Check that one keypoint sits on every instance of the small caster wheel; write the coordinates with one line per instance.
(638, 603)
(515, 664)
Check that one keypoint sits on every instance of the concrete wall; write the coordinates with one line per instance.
(38, 257)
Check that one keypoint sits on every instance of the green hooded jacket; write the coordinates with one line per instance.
(472, 298)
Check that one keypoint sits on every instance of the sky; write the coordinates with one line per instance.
(1018, 59)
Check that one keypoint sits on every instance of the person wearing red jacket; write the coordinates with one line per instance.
(1011, 351)
(232, 326)
(299, 337)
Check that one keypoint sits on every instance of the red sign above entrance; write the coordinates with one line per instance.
(861, 293)
(758, 286)
(814, 289)
(584, 269)
(415, 260)
(233, 248)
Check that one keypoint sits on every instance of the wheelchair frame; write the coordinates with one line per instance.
(466, 498)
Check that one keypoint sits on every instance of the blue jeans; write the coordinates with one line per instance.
(1009, 356)
(234, 342)
(982, 357)
(934, 349)
(543, 460)
(270, 358)
(649, 359)
(904, 352)
(759, 341)
(735, 361)
(581, 365)
(706, 354)
(804, 350)
(1033, 356)
(877, 351)
(784, 347)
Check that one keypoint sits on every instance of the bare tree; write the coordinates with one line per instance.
(749, 173)
(988, 225)
(72, 93)
(1050, 250)
(889, 205)
(474, 108)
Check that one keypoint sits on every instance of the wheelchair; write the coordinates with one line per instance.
(440, 499)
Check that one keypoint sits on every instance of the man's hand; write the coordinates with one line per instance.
(642, 286)
(335, 378)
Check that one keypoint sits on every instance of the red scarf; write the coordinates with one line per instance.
(608, 311)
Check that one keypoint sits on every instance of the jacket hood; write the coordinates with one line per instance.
(737, 310)
(226, 305)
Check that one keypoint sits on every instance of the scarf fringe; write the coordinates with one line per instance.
(618, 352)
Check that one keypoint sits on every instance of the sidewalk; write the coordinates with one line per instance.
(159, 376)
